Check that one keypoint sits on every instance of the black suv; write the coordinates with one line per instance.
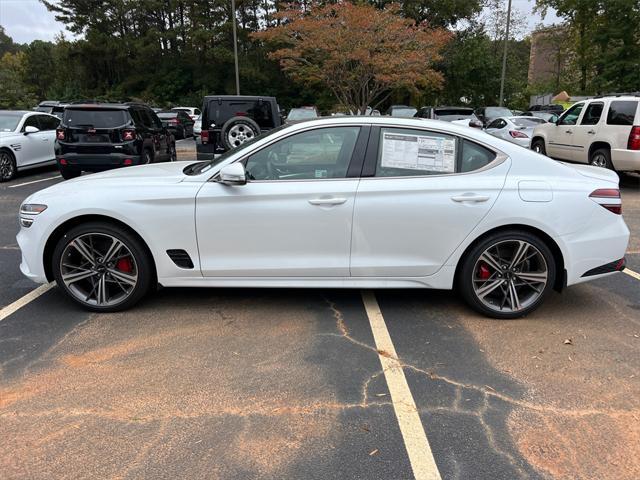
(229, 121)
(96, 137)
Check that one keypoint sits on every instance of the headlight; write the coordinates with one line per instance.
(28, 212)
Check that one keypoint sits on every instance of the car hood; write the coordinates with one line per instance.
(4, 135)
(598, 173)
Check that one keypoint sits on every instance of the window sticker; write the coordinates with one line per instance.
(418, 152)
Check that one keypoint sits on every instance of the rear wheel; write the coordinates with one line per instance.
(507, 275)
(8, 167)
(102, 267)
(538, 146)
(601, 158)
(69, 173)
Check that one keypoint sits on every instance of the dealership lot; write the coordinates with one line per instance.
(290, 383)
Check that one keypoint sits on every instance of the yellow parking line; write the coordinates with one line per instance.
(631, 273)
(415, 439)
(21, 302)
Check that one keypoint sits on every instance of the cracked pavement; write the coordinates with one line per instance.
(274, 384)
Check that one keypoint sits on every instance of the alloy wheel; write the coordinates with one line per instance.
(238, 134)
(510, 276)
(599, 160)
(7, 170)
(98, 269)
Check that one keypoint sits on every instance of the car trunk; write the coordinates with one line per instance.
(94, 130)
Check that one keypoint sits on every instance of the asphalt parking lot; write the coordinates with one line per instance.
(290, 384)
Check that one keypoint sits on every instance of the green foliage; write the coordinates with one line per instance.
(14, 92)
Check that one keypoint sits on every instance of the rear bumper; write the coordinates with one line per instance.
(625, 160)
(96, 162)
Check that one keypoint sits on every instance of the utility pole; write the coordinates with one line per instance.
(235, 43)
(504, 55)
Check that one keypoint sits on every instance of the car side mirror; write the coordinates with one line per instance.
(476, 124)
(30, 129)
(233, 174)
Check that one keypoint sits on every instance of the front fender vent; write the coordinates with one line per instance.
(181, 258)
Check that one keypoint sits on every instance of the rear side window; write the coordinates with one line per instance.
(96, 118)
(474, 156)
(258, 110)
(48, 123)
(622, 112)
(592, 114)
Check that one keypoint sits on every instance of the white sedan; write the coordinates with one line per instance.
(518, 130)
(340, 202)
(26, 141)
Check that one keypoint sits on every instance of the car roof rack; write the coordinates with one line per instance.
(619, 94)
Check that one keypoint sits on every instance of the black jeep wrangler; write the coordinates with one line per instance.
(229, 121)
(101, 136)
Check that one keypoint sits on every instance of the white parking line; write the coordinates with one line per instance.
(631, 273)
(34, 181)
(21, 302)
(415, 439)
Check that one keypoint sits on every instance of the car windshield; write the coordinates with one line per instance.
(403, 112)
(302, 114)
(200, 167)
(498, 112)
(527, 122)
(9, 121)
(96, 118)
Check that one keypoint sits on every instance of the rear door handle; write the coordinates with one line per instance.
(470, 198)
(327, 201)
(591, 132)
(569, 132)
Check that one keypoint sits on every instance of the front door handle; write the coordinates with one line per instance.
(327, 201)
(591, 132)
(470, 198)
(569, 132)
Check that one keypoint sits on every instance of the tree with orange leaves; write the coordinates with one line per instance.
(357, 51)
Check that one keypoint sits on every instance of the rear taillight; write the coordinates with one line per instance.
(517, 134)
(608, 198)
(60, 133)
(174, 121)
(634, 139)
(204, 136)
(128, 135)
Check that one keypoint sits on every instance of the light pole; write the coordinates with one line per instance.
(235, 44)
(504, 54)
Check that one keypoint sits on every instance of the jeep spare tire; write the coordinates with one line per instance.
(238, 130)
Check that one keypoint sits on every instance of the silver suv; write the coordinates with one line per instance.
(603, 131)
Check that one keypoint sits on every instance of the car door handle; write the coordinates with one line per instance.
(470, 198)
(327, 201)
(569, 132)
(591, 132)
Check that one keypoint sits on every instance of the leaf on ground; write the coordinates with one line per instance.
(568, 341)
(373, 452)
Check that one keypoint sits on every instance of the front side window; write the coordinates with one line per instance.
(311, 155)
(31, 121)
(48, 123)
(592, 114)
(622, 112)
(571, 116)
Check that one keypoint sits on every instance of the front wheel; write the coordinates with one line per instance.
(7, 166)
(102, 267)
(507, 275)
(538, 146)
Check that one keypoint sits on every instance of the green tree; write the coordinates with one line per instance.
(14, 92)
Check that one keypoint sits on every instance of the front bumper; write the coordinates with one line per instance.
(31, 264)
(97, 162)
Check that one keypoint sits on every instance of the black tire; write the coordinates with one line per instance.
(141, 260)
(69, 173)
(180, 133)
(238, 130)
(538, 146)
(601, 157)
(467, 275)
(8, 167)
(147, 156)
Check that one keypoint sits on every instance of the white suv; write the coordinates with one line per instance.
(600, 131)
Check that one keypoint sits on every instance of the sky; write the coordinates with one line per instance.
(28, 20)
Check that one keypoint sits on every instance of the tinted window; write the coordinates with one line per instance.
(259, 111)
(592, 113)
(48, 123)
(622, 113)
(407, 152)
(454, 111)
(97, 118)
(315, 154)
(147, 119)
(31, 121)
(154, 118)
(570, 117)
(497, 124)
(474, 156)
(196, 112)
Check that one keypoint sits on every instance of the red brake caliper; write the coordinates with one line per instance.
(483, 271)
(125, 265)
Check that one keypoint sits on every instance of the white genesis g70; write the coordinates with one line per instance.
(341, 202)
